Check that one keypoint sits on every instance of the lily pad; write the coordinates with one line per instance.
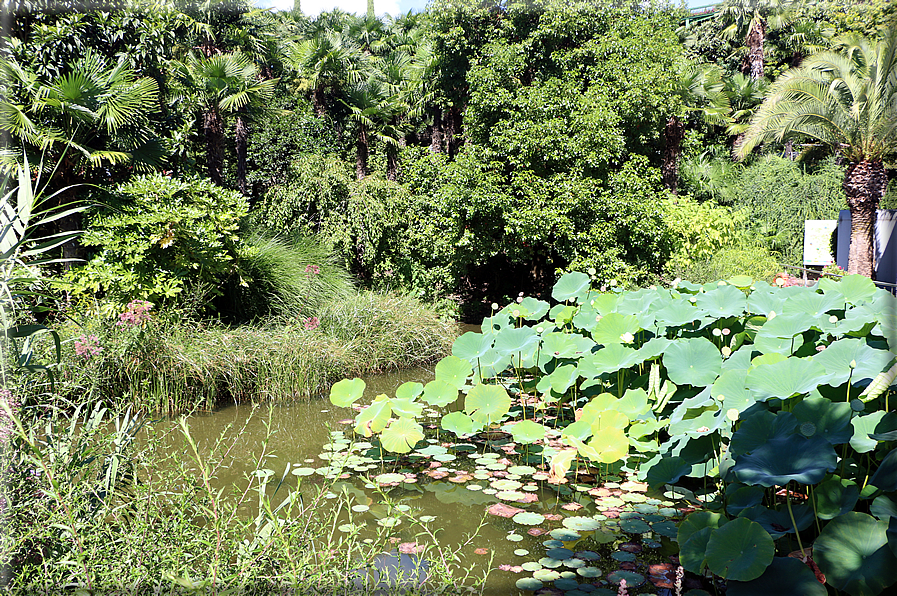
(401, 435)
(634, 526)
(303, 471)
(565, 535)
(454, 370)
(589, 572)
(389, 478)
(528, 518)
(528, 583)
(486, 404)
(622, 557)
(531, 566)
(741, 550)
(581, 524)
(439, 393)
(633, 579)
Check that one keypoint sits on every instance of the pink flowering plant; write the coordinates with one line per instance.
(88, 346)
(135, 314)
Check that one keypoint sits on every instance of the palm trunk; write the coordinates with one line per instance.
(241, 139)
(317, 100)
(864, 184)
(392, 162)
(753, 62)
(361, 153)
(672, 134)
(213, 129)
(437, 138)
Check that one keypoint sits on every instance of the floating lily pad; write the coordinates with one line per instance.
(527, 518)
(360, 508)
(574, 563)
(512, 495)
(389, 522)
(589, 572)
(505, 484)
(521, 552)
(514, 537)
(566, 584)
(665, 528)
(427, 518)
(587, 555)
(389, 478)
(521, 470)
(303, 471)
(531, 566)
(622, 557)
(581, 524)
(634, 526)
(559, 553)
(633, 580)
(528, 583)
(565, 535)
(550, 563)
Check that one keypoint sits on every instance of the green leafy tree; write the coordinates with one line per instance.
(752, 19)
(844, 100)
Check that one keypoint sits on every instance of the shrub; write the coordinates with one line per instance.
(155, 236)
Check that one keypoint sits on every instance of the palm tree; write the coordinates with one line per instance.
(752, 19)
(845, 100)
(220, 85)
(86, 120)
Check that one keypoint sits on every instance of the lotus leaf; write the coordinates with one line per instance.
(486, 404)
(389, 478)
(831, 420)
(778, 521)
(401, 435)
(784, 379)
(573, 285)
(608, 446)
(634, 403)
(470, 346)
(885, 477)
(812, 303)
(559, 380)
(665, 528)
(615, 328)
(835, 497)
(374, 418)
(786, 458)
(693, 361)
(785, 576)
(863, 426)
(693, 552)
(667, 470)
(303, 471)
(346, 392)
(528, 518)
(527, 431)
(730, 389)
(521, 470)
(724, 301)
(609, 419)
(622, 557)
(839, 355)
(459, 423)
(409, 390)
(652, 348)
(558, 345)
(764, 303)
(581, 524)
(743, 497)
(677, 313)
(567, 585)
(514, 340)
(528, 583)
(440, 393)
(514, 537)
(852, 551)
(698, 521)
(406, 408)
(756, 429)
(559, 553)
(609, 359)
(534, 308)
(855, 289)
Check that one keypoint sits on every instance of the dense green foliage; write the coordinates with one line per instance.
(722, 392)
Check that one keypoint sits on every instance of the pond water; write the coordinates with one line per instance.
(455, 485)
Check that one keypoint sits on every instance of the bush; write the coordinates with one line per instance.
(282, 277)
(156, 236)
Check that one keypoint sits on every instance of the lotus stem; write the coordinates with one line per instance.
(794, 524)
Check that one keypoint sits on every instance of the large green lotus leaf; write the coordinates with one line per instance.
(741, 550)
(605, 303)
(834, 497)
(609, 419)
(597, 405)
(471, 346)
(884, 507)
(885, 477)
(693, 361)
(614, 328)
(609, 359)
(767, 359)
(812, 303)
(783, 459)
(776, 345)
(740, 359)
(527, 431)
(730, 389)
(454, 371)
(584, 345)
(852, 551)
(863, 426)
(638, 302)
(786, 326)
(822, 417)
(558, 345)
(634, 403)
(755, 430)
(855, 289)
(439, 393)
(401, 435)
(740, 281)
(562, 378)
(409, 390)
(652, 348)
(840, 354)
(697, 521)
(724, 301)
(742, 498)
(573, 285)
(581, 429)
(608, 446)
(667, 470)
(764, 302)
(407, 408)
(374, 418)
(459, 423)
(697, 422)
(677, 313)
(344, 393)
(586, 317)
(693, 552)
(534, 308)
(491, 364)
(515, 340)
(785, 576)
(778, 521)
(784, 379)
(486, 404)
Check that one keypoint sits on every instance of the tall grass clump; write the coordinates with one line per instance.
(287, 277)
(172, 364)
(92, 504)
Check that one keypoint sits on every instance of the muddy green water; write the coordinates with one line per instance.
(296, 437)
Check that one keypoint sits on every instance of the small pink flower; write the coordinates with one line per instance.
(312, 270)
(136, 314)
(88, 346)
(312, 323)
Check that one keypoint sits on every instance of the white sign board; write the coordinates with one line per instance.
(817, 241)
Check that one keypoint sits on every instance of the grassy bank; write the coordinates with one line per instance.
(170, 364)
(83, 510)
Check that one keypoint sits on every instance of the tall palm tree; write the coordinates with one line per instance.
(752, 19)
(845, 100)
(223, 84)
